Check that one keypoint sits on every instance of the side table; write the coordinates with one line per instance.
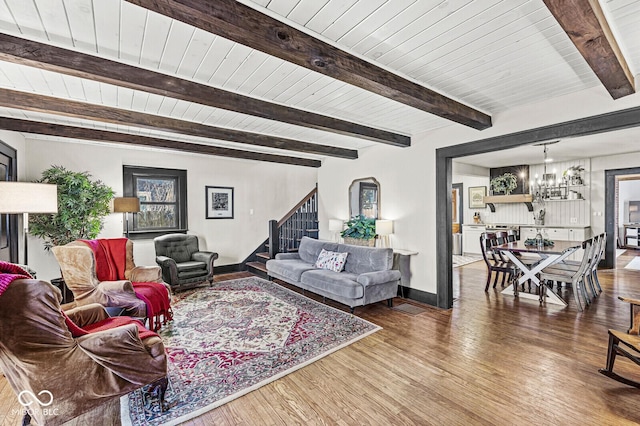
(402, 263)
(67, 295)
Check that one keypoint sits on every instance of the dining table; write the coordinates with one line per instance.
(549, 255)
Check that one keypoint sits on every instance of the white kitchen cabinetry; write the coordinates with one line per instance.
(471, 238)
(560, 234)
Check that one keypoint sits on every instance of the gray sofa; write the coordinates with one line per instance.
(367, 276)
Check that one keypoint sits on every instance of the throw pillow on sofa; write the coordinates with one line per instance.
(331, 260)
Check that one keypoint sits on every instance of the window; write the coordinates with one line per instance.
(163, 200)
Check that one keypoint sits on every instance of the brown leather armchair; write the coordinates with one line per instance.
(38, 353)
(78, 265)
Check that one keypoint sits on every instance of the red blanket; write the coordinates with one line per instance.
(106, 324)
(10, 272)
(111, 262)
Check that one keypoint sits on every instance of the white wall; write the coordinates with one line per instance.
(407, 175)
(271, 190)
(471, 176)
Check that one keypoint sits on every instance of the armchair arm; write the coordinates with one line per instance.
(146, 274)
(205, 256)
(378, 277)
(121, 351)
(287, 256)
(87, 314)
(169, 269)
(118, 286)
(634, 318)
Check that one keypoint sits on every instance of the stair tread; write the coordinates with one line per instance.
(258, 265)
(264, 255)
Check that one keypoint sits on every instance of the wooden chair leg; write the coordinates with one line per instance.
(613, 350)
(486, 287)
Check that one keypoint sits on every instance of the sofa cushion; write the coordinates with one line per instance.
(331, 260)
(310, 248)
(367, 259)
(339, 283)
(290, 269)
(191, 266)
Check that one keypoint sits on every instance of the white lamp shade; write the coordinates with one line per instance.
(336, 225)
(384, 227)
(28, 197)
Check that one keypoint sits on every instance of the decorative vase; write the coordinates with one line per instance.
(360, 242)
(538, 221)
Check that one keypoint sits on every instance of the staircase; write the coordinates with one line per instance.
(285, 234)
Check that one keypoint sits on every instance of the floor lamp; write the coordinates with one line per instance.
(25, 198)
(126, 205)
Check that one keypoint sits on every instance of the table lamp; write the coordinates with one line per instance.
(126, 205)
(335, 226)
(384, 228)
(25, 198)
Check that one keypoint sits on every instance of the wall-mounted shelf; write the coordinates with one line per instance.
(491, 200)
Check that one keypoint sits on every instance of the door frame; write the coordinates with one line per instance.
(12, 233)
(602, 123)
(609, 260)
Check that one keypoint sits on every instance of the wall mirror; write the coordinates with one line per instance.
(364, 198)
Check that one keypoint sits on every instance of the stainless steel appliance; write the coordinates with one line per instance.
(504, 227)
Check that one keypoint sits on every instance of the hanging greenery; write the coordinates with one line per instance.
(82, 205)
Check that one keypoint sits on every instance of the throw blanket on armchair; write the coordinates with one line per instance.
(111, 262)
(10, 272)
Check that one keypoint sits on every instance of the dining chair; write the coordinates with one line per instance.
(595, 255)
(625, 343)
(575, 277)
(494, 262)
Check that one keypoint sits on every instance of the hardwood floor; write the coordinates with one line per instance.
(492, 359)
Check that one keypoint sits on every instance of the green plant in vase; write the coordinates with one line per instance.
(82, 205)
(504, 183)
(360, 230)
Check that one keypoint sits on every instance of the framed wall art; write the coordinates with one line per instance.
(476, 197)
(219, 201)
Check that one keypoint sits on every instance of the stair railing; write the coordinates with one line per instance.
(300, 221)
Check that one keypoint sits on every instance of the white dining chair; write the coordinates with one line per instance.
(575, 277)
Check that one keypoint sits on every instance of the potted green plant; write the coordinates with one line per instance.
(360, 231)
(82, 205)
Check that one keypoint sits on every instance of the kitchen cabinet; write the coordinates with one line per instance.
(631, 236)
(556, 233)
(471, 238)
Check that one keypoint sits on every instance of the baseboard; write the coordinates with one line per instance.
(420, 296)
(227, 269)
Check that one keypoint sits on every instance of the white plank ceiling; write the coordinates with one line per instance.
(490, 54)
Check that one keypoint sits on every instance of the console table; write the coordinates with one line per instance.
(402, 263)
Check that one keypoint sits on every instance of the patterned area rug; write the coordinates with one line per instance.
(235, 337)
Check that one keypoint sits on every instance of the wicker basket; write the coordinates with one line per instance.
(360, 242)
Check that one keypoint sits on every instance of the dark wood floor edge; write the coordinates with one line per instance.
(420, 296)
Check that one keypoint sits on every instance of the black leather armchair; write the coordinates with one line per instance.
(183, 264)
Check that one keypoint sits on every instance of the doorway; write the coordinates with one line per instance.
(596, 124)
(611, 213)
(8, 222)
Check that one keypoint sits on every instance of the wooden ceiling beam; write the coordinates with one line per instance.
(51, 105)
(50, 129)
(586, 25)
(51, 58)
(242, 24)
